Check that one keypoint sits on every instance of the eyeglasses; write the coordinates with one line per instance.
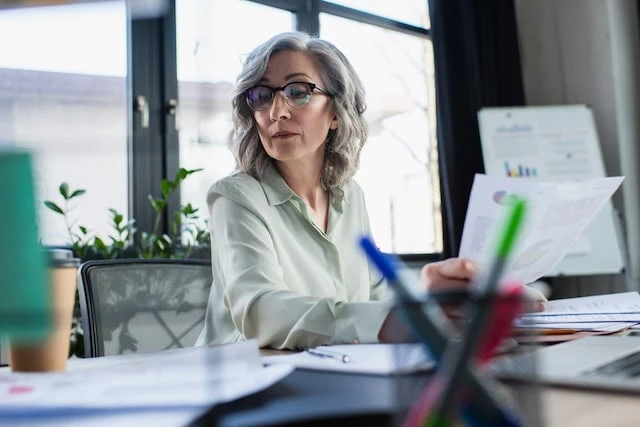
(296, 94)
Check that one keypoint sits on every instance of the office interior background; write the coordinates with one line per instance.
(76, 79)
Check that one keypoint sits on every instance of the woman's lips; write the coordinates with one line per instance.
(283, 135)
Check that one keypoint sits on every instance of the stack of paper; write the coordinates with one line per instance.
(600, 313)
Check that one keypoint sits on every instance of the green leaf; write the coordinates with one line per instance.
(188, 209)
(166, 187)
(117, 218)
(158, 204)
(77, 193)
(184, 173)
(83, 229)
(99, 244)
(181, 174)
(53, 207)
(64, 190)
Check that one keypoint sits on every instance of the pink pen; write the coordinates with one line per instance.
(508, 306)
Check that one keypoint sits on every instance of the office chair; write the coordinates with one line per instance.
(142, 305)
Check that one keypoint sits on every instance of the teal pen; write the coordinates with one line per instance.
(459, 354)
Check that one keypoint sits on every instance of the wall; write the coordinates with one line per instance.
(566, 55)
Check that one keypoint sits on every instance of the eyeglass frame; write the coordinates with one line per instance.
(274, 90)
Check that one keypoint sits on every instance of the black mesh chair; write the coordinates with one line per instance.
(142, 305)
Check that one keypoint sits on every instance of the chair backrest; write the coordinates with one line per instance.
(142, 305)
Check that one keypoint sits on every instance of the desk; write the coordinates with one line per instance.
(564, 407)
(305, 390)
(306, 395)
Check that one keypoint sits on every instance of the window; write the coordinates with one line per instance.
(413, 12)
(63, 94)
(209, 60)
(399, 166)
(393, 55)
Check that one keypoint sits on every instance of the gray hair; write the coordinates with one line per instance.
(343, 145)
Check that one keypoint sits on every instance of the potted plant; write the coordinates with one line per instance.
(187, 238)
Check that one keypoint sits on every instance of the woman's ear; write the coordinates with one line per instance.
(334, 123)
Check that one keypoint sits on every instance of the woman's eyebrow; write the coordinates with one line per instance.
(292, 75)
(287, 77)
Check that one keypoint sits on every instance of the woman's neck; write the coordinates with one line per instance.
(304, 180)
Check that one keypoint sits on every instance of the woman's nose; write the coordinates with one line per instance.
(279, 107)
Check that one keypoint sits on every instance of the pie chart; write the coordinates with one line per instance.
(503, 198)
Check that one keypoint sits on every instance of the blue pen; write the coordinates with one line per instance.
(431, 326)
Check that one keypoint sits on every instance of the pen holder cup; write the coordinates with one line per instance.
(488, 375)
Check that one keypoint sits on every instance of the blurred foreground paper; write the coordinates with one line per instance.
(195, 378)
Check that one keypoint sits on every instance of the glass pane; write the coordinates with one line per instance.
(414, 12)
(399, 166)
(63, 94)
(209, 60)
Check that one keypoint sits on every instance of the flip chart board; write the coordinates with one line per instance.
(555, 143)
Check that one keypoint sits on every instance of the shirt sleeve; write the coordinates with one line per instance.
(262, 306)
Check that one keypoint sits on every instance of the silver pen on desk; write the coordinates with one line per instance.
(341, 357)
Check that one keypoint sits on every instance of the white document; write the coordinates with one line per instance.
(578, 326)
(186, 378)
(557, 214)
(376, 359)
(620, 307)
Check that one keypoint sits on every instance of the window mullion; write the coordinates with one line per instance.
(146, 164)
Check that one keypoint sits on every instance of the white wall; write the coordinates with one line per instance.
(566, 55)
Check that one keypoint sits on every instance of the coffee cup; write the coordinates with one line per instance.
(50, 354)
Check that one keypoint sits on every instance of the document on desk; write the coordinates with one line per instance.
(622, 308)
(372, 359)
(184, 378)
(557, 214)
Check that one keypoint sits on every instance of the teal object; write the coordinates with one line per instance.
(25, 311)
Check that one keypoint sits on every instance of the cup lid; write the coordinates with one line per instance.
(59, 257)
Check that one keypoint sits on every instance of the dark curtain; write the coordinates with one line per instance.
(477, 64)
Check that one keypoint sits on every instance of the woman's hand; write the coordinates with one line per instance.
(450, 274)
(456, 273)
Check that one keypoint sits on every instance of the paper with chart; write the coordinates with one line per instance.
(186, 378)
(557, 213)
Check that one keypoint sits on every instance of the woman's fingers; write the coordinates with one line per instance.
(535, 300)
(448, 271)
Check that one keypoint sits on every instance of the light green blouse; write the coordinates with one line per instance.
(279, 278)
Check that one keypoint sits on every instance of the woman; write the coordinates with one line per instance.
(286, 267)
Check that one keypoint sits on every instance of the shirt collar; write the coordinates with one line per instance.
(278, 192)
(275, 188)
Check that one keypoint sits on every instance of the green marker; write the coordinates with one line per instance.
(505, 245)
(24, 307)
(459, 354)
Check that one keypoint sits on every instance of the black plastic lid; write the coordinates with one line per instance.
(62, 258)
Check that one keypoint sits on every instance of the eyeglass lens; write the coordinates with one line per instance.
(296, 94)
